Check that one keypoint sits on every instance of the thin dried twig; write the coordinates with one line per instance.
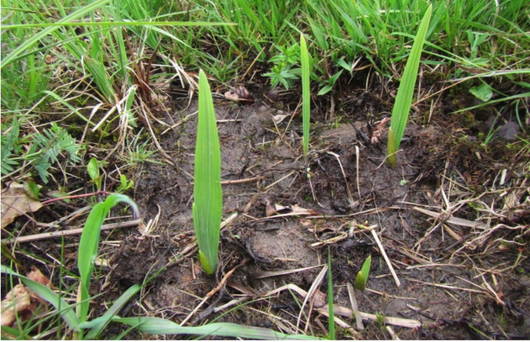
(240, 181)
(354, 307)
(267, 274)
(396, 321)
(362, 212)
(213, 291)
(75, 231)
(451, 219)
(392, 333)
(348, 191)
(346, 312)
(357, 157)
(311, 292)
(144, 112)
(387, 260)
(312, 188)
(279, 180)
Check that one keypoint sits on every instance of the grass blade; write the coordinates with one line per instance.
(62, 101)
(101, 323)
(49, 29)
(123, 59)
(88, 246)
(153, 325)
(207, 192)
(114, 23)
(102, 79)
(401, 109)
(306, 99)
(44, 292)
(507, 98)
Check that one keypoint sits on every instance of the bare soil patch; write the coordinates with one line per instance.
(454, 287)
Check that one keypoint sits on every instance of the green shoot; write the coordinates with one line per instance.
(362, 276)
(306, 100)
(125, 184)
(207, 192)
(88, 247)
(93, 172)
(99, 324)
(331, 311)
(401, 109)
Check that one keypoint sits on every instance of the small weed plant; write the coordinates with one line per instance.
(283, 71)
(44, 149)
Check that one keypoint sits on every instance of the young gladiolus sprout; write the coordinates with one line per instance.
(207, 193)
(362, 276)
(401, 109)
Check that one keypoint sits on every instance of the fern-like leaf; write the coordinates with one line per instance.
(10, 146)
(50, 144)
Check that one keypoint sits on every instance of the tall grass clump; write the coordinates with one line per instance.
(400, 111)
(207, 193)
(306, 95)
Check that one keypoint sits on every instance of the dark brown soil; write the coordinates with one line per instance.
(475, 286)
(442, 289)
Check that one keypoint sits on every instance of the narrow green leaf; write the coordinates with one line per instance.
(49, 29)
(306, 97)
(401, 109)
(102, 79)
(89, 243)
(503, 99)
(44, 292)
(64, 23)
(207, 192)
(362, 276)
(101, 323)
(67, 105)
(324, 90)
(131, 95)
(153, 325)
(123, 59)
(344, 65)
